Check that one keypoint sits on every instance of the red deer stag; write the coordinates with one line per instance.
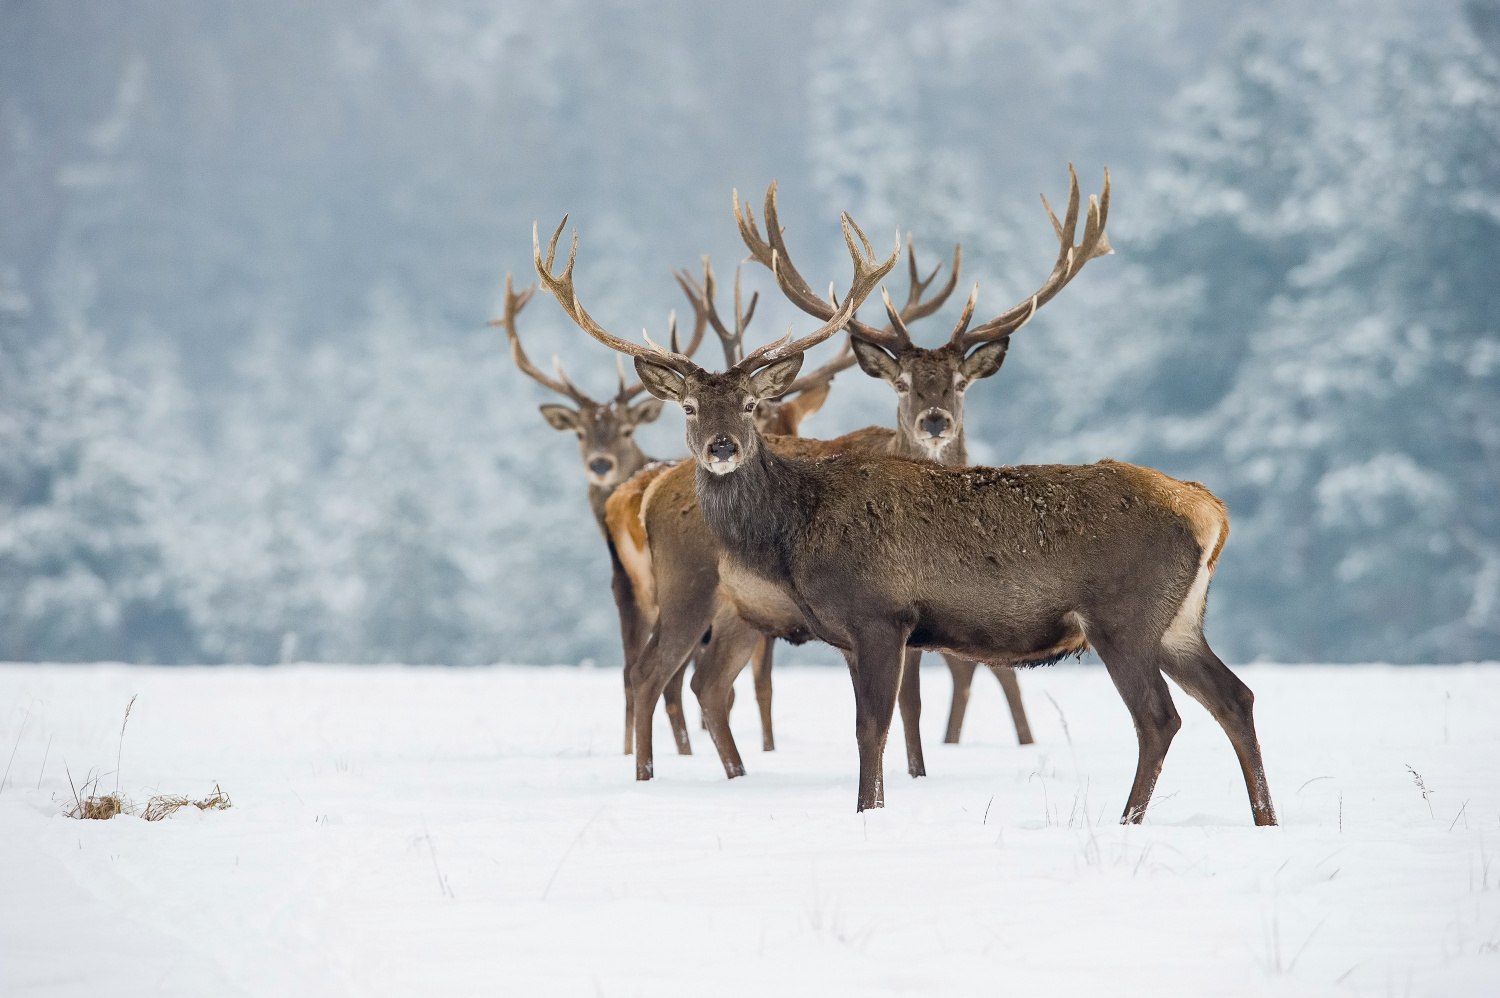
(929, 386)
(779, 417)
(606, 443)
(1019, 565)
(666, 536)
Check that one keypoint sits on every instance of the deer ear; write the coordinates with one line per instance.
(808, 402)
(662, 382)
(772, 382)
(985, 360)
(874, 361)
(645, 412)
(560, 417)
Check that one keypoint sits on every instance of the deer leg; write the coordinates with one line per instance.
(633, 631)
(1140, 684)
(875, 667)
(962, 671)
(1012, 688)
(910, 701)
(760, 666)
(1208, 680)
(661, 660)
(629, 710)
(672, 694)
(733, 643)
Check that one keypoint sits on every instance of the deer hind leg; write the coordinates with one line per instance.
(1139, 682)
(672, 694)
(875, 668)
(1012, 688)
(629, 711)
(719, 666)
(1208, 680)
(962, 671)
(760, 664)
(910, 701)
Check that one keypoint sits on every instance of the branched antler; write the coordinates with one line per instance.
(561, 288)
(868, 271)
(702, 296)
(514, 302)
(772, 247)
(1070, 260)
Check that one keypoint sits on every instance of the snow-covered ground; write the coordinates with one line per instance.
(401, 831)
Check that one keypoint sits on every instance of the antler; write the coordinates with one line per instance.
(1070, 260)
(868, 271)
(702, 297)
(826, 373)
(561, 288)
(513, 304)
(792, 284)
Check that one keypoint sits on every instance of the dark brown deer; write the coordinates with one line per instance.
(781, 417)
(606, 443)
(666, 535)
(930, 387)
(874, 554)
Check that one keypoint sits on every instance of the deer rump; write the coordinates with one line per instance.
(1009, 568)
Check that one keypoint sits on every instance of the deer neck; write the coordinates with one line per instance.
(758, 512)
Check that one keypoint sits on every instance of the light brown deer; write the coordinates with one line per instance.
(1022, 565)
(610, 454)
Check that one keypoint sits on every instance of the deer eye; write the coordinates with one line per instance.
(750, 406)
(902, 387)
(960, 385)
(689, 410)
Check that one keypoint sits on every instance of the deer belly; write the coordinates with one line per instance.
(761, 603)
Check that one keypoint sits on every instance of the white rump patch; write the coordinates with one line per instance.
(1185, 632)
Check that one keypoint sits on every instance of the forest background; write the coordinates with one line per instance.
(250, 411)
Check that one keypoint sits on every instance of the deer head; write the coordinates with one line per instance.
(605, 430)
(930, 383)
(720, 407)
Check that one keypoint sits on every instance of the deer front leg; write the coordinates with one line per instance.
(875, 668)
(911, 711)
(732, 645)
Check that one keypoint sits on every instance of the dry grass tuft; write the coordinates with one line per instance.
(92, 805)
(163, 806)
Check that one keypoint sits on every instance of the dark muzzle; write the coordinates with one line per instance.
(934, 424)
(601, 466)
(723, 449)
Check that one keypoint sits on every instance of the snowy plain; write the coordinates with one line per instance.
(401, 831)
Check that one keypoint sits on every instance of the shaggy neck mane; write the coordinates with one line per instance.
(759, 511)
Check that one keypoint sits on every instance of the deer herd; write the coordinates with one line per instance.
(884, 542)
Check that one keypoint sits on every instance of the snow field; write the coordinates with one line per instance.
(403, 831)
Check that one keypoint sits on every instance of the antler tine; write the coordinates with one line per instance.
(844, 360)
(895, 317)
(771, 252)
(957, 338)
(915, 308)
(1070, 260)
(513, 304)
(742, 319)
(868, 272)
(562, 289)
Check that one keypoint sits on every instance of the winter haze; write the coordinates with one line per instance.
(250, 411)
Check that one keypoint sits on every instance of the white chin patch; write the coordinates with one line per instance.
(936, 444)
(723, 467)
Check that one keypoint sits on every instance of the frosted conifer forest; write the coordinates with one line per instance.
(252, 415)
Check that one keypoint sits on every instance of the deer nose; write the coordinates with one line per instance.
(723, 448)
(935, 424)
(601, 466)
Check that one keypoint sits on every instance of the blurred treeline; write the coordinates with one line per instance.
(249, 410)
